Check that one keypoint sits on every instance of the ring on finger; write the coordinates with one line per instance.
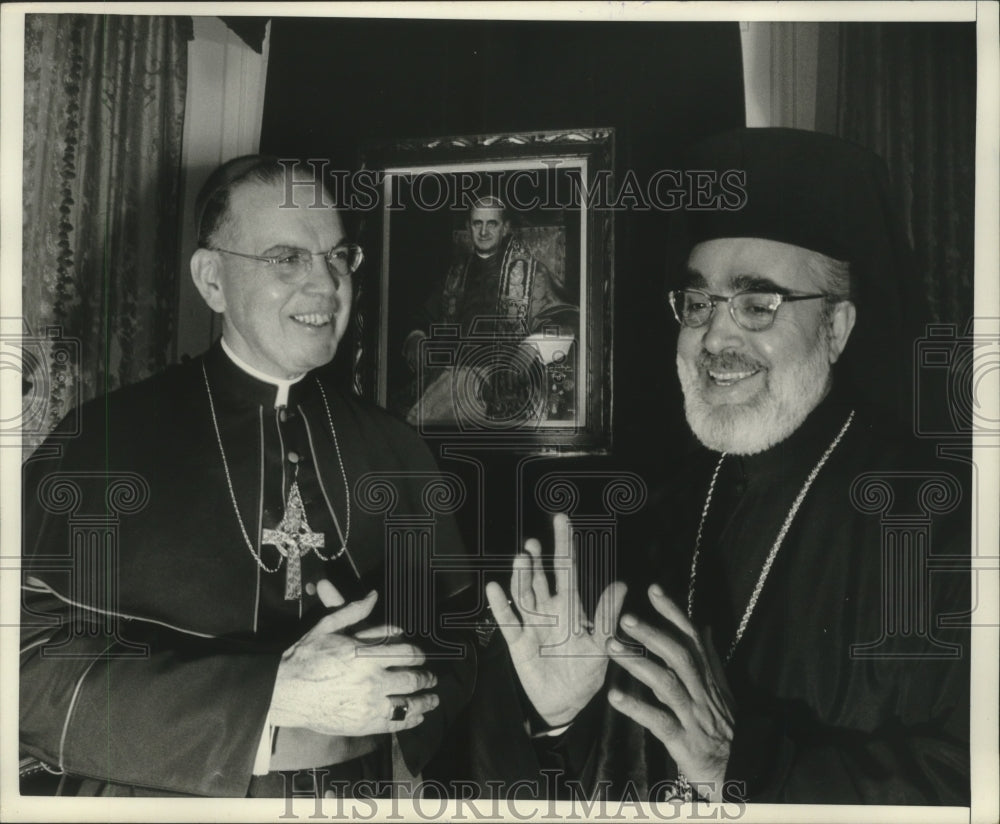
(399, 711)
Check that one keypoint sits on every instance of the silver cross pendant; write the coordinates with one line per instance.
(293, 538)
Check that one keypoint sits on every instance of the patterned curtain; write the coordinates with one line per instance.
(908, 92)
(103, 120)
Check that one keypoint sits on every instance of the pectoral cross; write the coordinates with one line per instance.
(293, 538)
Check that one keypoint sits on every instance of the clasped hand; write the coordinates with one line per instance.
(337, 683)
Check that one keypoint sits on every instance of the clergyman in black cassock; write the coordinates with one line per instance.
(797, 611)
(176, 553)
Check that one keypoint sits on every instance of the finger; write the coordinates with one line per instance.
(609, 608)
(406, 681)
(346, 616)
(672, 652)
(521, 591)
(329, 595)
(394, 655)
(666, 686)
(561, 535)
(657, 721)
(416, 704)
(673, 613)
(539, 584)
(509, 625)
(711, 671)
(378, 635)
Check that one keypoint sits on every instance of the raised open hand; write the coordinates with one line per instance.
(693, 716)
(559, 656)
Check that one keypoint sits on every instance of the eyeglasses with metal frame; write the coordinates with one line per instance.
(752, 309)
(294, 265)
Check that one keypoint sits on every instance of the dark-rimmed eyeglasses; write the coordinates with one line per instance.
(751, 310)
(294, 265)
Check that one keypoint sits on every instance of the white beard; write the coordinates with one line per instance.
(766, 419)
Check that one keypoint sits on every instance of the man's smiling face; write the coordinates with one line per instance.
(281, 328)
(746, 391)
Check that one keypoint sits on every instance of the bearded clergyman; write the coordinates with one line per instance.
(783, 640)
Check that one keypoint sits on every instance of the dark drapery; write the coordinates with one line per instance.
(908, 92)
(103, 120)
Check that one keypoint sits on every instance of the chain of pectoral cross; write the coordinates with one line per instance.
(294, 539)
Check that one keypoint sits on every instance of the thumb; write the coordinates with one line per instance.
(609, 608)
(346, 616)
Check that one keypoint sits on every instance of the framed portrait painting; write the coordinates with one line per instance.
(486, 312)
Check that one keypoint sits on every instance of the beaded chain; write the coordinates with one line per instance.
(774, 547)
(232, 492)
(343, 471)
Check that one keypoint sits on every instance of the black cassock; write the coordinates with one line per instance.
(846, 688)
(151, 635)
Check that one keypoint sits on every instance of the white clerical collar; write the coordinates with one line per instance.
(282, 384)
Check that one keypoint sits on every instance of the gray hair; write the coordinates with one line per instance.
(835, 280)
(834, 276)
(212, 212)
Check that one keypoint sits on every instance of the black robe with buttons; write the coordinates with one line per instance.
(151, 634)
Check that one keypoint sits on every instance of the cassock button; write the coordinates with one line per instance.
(293, 457)
(310, 588)
(282, 415)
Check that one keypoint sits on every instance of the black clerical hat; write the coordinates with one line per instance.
(804, 188)
(822, 193)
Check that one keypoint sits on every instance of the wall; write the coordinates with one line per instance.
(790, 74)
(225, 99)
